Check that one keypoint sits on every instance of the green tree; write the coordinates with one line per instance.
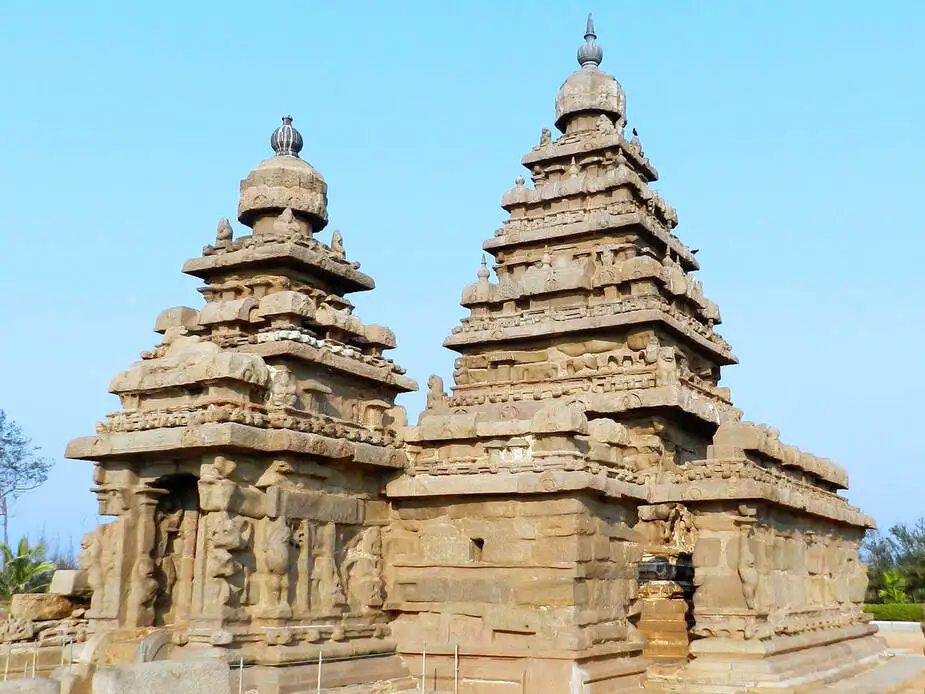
(902, 550)
(909, 551)
(21, 467)
(25, 570)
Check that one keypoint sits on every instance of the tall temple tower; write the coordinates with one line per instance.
(586, 499)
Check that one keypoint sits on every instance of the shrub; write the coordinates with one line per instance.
(896, 612)
(24, 570)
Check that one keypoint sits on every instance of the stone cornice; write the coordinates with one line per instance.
(590, 142)
(382, 372)
(594, 222)
(459, 341)
(194, 440)
(559, 481)
(315, 261)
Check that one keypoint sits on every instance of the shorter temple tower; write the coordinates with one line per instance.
(245, 469)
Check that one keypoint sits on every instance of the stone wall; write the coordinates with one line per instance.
(518, 579)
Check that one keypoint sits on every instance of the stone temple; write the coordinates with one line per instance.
(584, 511)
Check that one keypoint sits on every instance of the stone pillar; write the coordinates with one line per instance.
(142, 585)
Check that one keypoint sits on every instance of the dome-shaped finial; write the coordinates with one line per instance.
(286, 140)
(590, 54)
(483, 273)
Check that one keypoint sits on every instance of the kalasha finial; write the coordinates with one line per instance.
(286, 140)
(590, 54)
(483, 270)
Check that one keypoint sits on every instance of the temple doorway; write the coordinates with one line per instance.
(176, 519)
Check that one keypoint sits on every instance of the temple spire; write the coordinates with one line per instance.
(483, 273)
(590, 54)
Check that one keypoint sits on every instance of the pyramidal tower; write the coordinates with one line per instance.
(586, 501)
(244, 471)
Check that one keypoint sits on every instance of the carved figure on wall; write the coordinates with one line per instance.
(545, 137)
(277, 540)
(361, 570)
(168, 519)
(605, 125)
(606, 271)
(682, 534)
(89, 559)
(666, 368)
(284, 388)
(327, 592)
(436, 395)
(227, 534)
(650, 354)
(748, 573)
(144, 589)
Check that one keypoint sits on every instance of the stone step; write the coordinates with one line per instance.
(899, 674)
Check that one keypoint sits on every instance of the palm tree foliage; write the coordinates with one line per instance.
(894, 587)
(24, 569)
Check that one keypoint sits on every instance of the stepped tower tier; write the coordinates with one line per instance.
(246, 465)
(595, 296)
(587, 472)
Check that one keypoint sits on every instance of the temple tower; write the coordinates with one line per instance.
(586, 500)
(245, 469)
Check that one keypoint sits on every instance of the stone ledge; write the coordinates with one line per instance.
(555, 481)
(291, 254)
(550, 482)
(195, 439)
(590, 323)
(563, 231)
(299, 350)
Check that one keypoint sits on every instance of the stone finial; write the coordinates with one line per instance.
(483, 270)
(286, 140)
(590, 54)
(284, 180)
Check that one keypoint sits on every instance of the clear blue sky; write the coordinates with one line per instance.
(789, 136)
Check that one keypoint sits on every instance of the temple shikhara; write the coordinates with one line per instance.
(583, 509)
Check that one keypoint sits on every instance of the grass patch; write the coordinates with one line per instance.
(899, 612)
